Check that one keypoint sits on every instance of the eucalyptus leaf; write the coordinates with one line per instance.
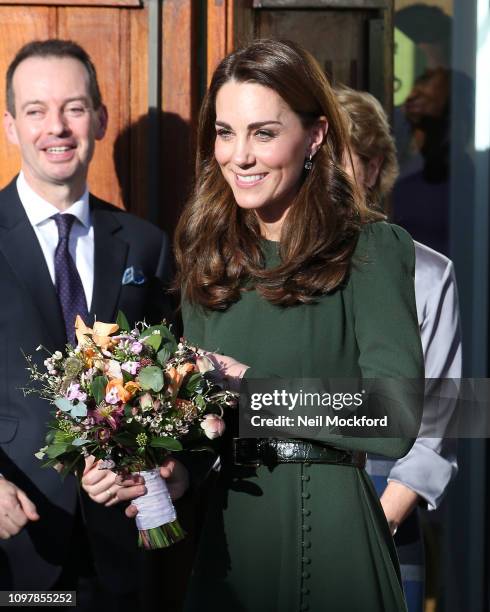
(98, 387)
(80, 442)
(63, 404)
(163, 356)
(122, 321)
(151, 377)
(167, 443)
(79, 410)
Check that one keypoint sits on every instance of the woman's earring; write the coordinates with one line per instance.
(309, 163)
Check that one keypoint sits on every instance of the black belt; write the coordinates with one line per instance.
(253, 452)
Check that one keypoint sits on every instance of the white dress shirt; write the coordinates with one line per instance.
(81, 243)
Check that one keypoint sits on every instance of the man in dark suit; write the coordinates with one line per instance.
(62, 251)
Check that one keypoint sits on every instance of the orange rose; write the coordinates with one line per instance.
(132, 387)
(88, 356)
(177, 376)
(99, 333)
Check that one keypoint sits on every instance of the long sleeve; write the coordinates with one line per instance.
(387, 331)
(431, 463)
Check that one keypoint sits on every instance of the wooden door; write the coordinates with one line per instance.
(144, 52)
(352, 39)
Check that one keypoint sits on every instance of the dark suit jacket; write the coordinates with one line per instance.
(30, 315)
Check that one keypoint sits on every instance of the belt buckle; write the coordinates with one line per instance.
(236, 450)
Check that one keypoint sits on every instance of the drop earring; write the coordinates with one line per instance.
(309, 163)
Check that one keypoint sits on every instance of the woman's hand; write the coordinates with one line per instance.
(174, 472)
(397, 501)
(100, 485)
(227, 369)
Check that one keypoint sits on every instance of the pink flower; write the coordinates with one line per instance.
(108, 414)
(213, 426)
(73, 393)
(131, 367)
(146, 401)
(136, 347)
(112, 396)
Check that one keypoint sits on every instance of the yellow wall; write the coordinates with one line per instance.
(445, 5)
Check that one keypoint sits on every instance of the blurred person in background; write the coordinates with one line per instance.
(422, 476)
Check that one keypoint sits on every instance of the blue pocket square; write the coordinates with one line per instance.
(133, 276)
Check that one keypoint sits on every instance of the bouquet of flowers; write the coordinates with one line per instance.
(129, 397)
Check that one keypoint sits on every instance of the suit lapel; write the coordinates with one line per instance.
(20, 247)
(109, 261)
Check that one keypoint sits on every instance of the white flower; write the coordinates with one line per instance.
(112, 369)
(204, 364)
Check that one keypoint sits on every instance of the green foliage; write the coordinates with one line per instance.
(79, 442)
(151, 378)
(55, 450)
(98, 387)
(125, 439)
(194, 384)
(167, 443)
(164, 336)
(154, 341)
(163, 356)
(122, 321)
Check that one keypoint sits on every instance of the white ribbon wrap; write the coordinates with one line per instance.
(155, 508)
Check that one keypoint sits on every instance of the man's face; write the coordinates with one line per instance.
(55, 125)
(429, 96)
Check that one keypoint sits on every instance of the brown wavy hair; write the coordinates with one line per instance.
(218, 244)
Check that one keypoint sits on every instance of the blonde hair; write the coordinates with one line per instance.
(370, 136)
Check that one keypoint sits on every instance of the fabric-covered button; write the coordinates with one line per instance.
(306, 512)
(305, 477)
(306, 560)
(307, 544)
(305, 495)
(305, 591)
(305, 574)
(306, 528)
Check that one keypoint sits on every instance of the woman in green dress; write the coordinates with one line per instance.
(284, 269)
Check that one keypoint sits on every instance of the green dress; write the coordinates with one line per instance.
(310, 536)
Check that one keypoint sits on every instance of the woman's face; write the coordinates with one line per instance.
(261, 146)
